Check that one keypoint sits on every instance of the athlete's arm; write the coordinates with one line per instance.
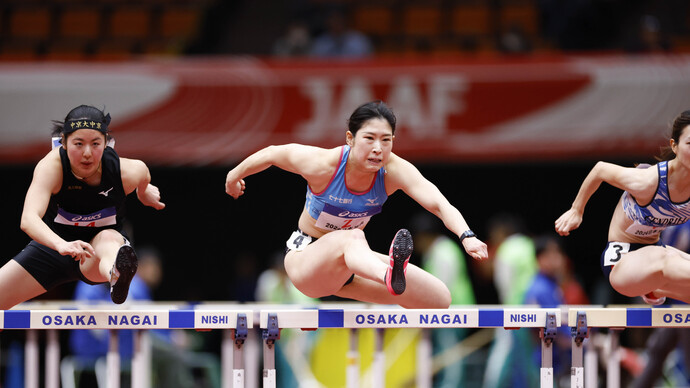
(405, 176)
(46, 181)
(136, 176)
(308, 161)
(638, 182)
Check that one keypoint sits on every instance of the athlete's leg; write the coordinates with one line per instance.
(106, 244)
(652, 269)
(325, 265)
(423, 290)
(17, 285)
(115, 262)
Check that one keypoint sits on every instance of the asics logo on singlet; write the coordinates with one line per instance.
(106, 192)
(352, 215)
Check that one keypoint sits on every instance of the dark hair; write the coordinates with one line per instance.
(370, 110)
(542, 242)
(679, 124)
(83, 112)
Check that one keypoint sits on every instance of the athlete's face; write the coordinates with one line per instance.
(682, 147)
(371, 146)
(85, 150)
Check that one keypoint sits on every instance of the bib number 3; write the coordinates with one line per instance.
(298, 241)
(614, 252)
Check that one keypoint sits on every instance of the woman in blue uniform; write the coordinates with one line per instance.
(73, 212)
(654, 198)
(328, 254)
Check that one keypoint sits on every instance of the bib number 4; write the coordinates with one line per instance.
(298, 241)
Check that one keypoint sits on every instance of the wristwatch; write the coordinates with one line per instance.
(466, 234)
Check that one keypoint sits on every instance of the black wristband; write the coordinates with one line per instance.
(466, 234)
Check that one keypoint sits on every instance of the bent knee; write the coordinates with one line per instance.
(109, 235)
(353, 234)
(445, 300)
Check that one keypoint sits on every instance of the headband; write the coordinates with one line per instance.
(73, 125)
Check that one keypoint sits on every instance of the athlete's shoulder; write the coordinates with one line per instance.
(51, 161)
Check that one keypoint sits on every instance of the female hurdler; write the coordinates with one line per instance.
(73, 211)
(634, 260)
(347, 185)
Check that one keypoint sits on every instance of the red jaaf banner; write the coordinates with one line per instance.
(217, 111)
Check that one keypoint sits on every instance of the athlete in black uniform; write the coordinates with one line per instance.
(73, 212)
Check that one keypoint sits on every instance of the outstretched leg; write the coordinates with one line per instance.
(663, 271)
(423, 291)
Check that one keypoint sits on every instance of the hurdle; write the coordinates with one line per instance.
(140, 318)
(383, 317)
(616, 318)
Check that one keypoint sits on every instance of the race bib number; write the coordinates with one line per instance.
(637, 229)
(100, 218)
(298, 241)
(614, 252)
(335, 218)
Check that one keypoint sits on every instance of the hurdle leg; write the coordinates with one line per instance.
(578, 335)
(269, 364)
(113, 361)
(270, 335)
(226, 360)
(31, 361)
(613, 372)
(424, 376)
(352, 363)
(546, 370)
(577, 368)
(252, 357)
(52, 377)
(141, 359)
(379, 364)
(237, 366)
(548, 335)
(591, 366)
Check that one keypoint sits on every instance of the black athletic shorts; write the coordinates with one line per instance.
(48, 267)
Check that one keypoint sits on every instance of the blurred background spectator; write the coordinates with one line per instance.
(546, 290)
(339, 40)
(515, 265)
(106, 30)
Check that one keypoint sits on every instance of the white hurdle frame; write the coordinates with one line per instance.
(615, 318)
(382, 317)
(90, 317)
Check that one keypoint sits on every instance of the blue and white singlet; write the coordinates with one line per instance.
(661, 213)
(337, 207)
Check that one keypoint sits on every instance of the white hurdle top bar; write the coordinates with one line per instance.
(620, 317)
(123, 319)
(409, 318)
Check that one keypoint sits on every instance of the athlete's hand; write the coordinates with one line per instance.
(151, 197)
(234, 187)
(78, 249)
(475, 248)
(567, 222)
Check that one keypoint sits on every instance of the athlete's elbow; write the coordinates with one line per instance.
(25, 224)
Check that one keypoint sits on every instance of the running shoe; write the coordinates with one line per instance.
(650, 299)
(123, 271)
(401, 249)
